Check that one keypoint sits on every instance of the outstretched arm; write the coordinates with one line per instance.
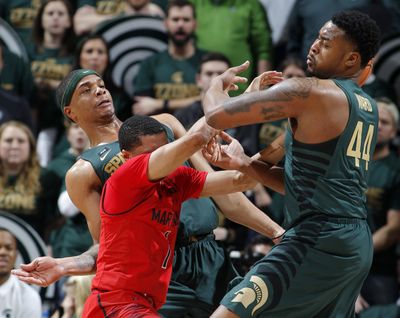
(84, 189)
(46, 270)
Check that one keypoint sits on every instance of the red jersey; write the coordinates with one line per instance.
(139, 223)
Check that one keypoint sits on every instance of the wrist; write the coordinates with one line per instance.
(277, 235)
(245, 164)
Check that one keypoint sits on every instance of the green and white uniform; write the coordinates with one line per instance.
(318, 268)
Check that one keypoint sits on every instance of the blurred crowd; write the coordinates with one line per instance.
(203, 39)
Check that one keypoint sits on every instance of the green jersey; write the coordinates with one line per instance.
(164, 77)
(331, 177)
(103, 7)
(198, 216)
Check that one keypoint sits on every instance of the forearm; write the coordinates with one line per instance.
(83, 264)
(385, 237)
(269, 176)
(239, 209)
(212, 99)
(169, 157)
(225, 182)
(274, 152)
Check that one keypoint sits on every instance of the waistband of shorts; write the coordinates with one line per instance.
(321, 217)
(125, 296)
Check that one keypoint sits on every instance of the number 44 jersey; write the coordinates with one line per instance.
(331, 177)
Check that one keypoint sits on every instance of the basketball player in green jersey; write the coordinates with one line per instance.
(87, 102)
(318, 267)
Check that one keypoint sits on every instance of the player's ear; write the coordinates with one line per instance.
(353, 58)
(69, 113)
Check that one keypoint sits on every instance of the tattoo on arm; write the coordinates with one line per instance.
(297, 88)
(301, 88)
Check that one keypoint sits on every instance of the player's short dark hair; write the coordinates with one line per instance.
(135, 127)
(361, 30)
(181, 4)
(213, 56)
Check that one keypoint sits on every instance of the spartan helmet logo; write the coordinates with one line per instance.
(259, 293)
(177, 77)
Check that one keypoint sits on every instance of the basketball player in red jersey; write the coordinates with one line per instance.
(139, 209)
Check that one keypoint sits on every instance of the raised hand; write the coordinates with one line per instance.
(42, 271)
(264, 80)
(227, 80)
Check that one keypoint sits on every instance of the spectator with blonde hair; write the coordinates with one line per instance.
(21, 191)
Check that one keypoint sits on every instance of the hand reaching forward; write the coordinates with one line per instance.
(264, 80)
(42, 271)
(228, 79)
(230, 156)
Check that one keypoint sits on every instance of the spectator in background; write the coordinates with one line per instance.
(142, 7)
(258, 247)
(238, 29)
(14, 107)
(22, 192)
(292, 67)
(17, 299)
(91, 13)
(77, 289)
(166, 81)
(278, 16)
(51, 59)
(16, 76)
(376, 88)
(306, 19)
(383, 202)
(20, 14)
(211, 65)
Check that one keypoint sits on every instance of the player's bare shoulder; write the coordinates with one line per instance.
(82, 174)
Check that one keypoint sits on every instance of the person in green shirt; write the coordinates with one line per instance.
(238, 29)
(166, 81)
(20, 14)
(51, 58)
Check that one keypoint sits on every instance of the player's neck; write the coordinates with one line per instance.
(104, 133)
